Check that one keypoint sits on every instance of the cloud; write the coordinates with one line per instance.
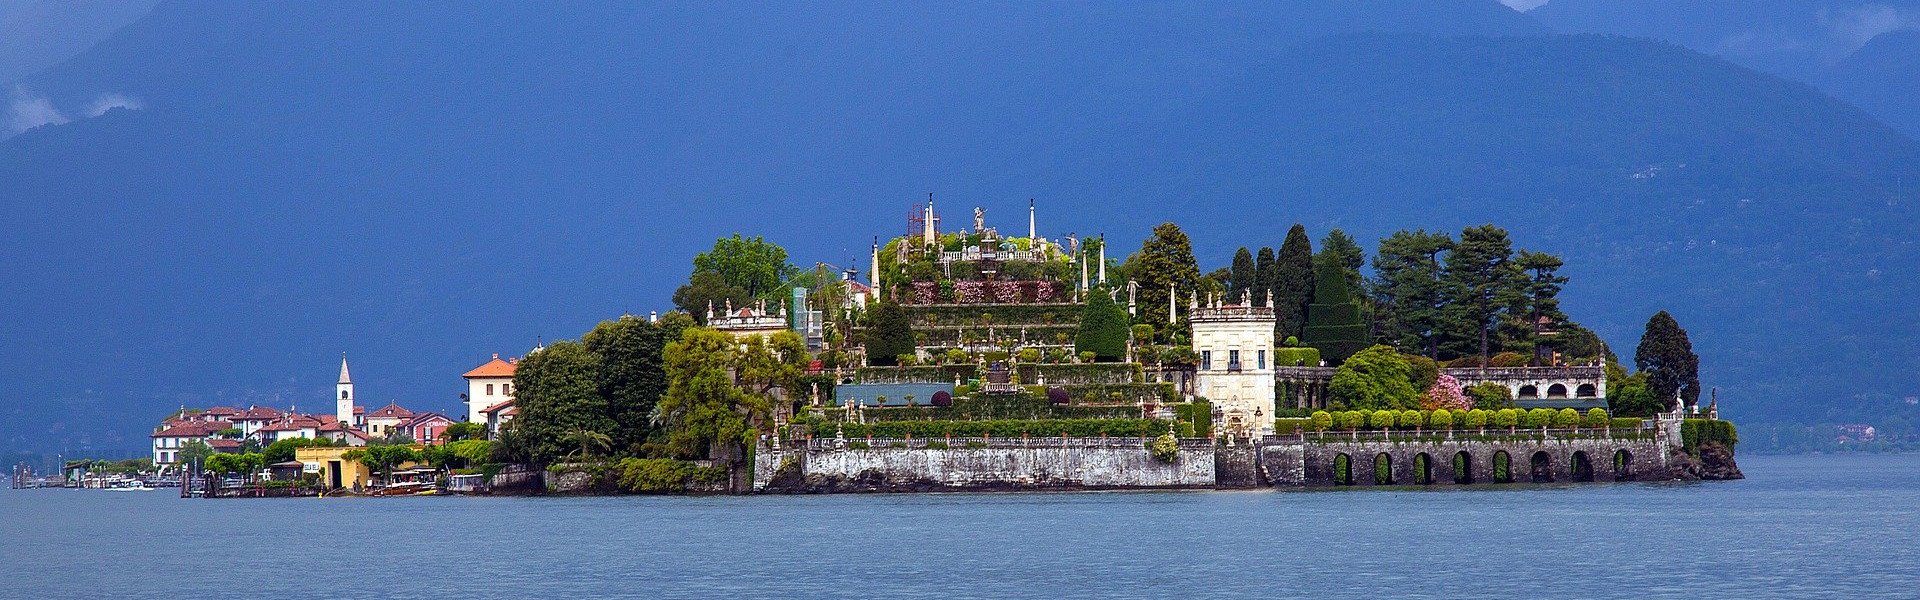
(110, 101)
(1853, 27)
(1524, 5)
(26, 110)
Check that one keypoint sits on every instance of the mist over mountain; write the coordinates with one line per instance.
(422, 187)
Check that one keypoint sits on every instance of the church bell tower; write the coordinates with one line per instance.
(343, 396)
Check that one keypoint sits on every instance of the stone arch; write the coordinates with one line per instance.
(1557, 390)
(1528, 391)
(1622, 465)
(1582, 466)
(1502, 467)
(1342, 469)
(1423, 469)
(1540, 466)
(1586, 390)
(1462, 467)
(1383, 469)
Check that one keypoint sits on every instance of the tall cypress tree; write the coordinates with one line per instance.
(1293, 283)
(889, 334)
(1103, 327)
(1334, 322)
(1484, 282)
(1666, 355)
(1166, 259)
(1241, 278)
(1262, 276)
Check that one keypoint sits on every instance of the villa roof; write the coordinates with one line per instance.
(498, 407)
(193, 429)
(493, 368)
(224, 444)
(258, 413)
(221, 411)
(423, 418)
(390, 411)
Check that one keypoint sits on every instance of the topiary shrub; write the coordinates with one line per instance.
(1539, 417)
(1383, 419)
(1412, 419)
(1057, 395)
(1296, 357)
(1509, 359)
(1567, 418)
(1477, 418)
(1352, 420)
(1507, 417)
(1464, 362)
(1441, 419)
(1321, 420)
(1596, 418)
(942, 398)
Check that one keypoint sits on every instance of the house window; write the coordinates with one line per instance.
(1206, 360)
(1263, 360)
(489, 389)
(506, 389)
(1233, 360)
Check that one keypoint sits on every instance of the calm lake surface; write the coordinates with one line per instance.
(1799, 527)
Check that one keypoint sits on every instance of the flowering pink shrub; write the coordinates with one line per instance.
(1446, 394)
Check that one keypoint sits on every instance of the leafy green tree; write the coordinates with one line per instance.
(1442, 419)
(193, 452)
(1628, 395)
(1596, 418)
(1293, 280)
(1484, 282)
(1262, 276)
(1412, 419)
(1566, 418)
(1103, 327)
(1241, 277)
(282, 450)
(1490, 395)
(709, 291)
(1383, 419)
(1539, 417)
(752, 264)
(1165, 260)
(632, 374)
(556, 390)
(1507, 417)
(889, 334)
(1666, 355)
(705, 413)
(1321, 420)
(393, 437)
(1411, 290)
(383, 459)
(1374, 378)
(1334, 323)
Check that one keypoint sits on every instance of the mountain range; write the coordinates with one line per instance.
(236, 193)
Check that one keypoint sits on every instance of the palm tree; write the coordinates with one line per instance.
(588, 440)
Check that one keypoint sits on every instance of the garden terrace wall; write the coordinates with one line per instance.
(987, 408)
(1004, 315)
(982, 464)
(1035, 374)
(919, 374)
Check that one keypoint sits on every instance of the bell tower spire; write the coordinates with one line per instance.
(343, 395)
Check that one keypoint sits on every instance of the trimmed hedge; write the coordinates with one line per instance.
(1289, 357)
(1694, 432)
(989, 408)
(662, 475)
(1291, 426)
(1004, 315)
(1199, 413)
(921, 374)
(1003, 429)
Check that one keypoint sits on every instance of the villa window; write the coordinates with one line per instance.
(506, 389)
(1233, 360)
(1263, 360)
(1206, 360)
(489, 389)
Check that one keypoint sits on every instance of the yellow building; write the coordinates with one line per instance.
(337, 471)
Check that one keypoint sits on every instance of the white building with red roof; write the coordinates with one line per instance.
(168, 441)
(497, 415)
(387, 420)
(488, 385)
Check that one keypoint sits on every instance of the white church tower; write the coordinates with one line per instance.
(343, 396)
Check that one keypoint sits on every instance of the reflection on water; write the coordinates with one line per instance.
(1798, 527)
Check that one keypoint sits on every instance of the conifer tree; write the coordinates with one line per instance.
(1349, 256)
(1241, 277)
(889, 334)
(1262, 276)
(1538, 305)
(1484, 282)
(1410, 288)
(1293, 283)
(1334, 323)
(1103, 327)
(1666, 356)
(1165, 259)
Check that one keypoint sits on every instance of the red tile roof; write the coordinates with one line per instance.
(498, 407)
(493, 368)
(193, 429)
(390, 411)
(222, 411)
(258, 413)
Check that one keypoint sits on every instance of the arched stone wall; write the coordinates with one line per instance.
(1311, 463)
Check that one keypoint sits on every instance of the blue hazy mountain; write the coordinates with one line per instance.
(1814, 41)
(422, 187)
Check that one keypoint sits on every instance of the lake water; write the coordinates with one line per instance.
(1802, 526)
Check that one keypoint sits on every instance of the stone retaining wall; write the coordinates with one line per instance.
(1040, 463)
